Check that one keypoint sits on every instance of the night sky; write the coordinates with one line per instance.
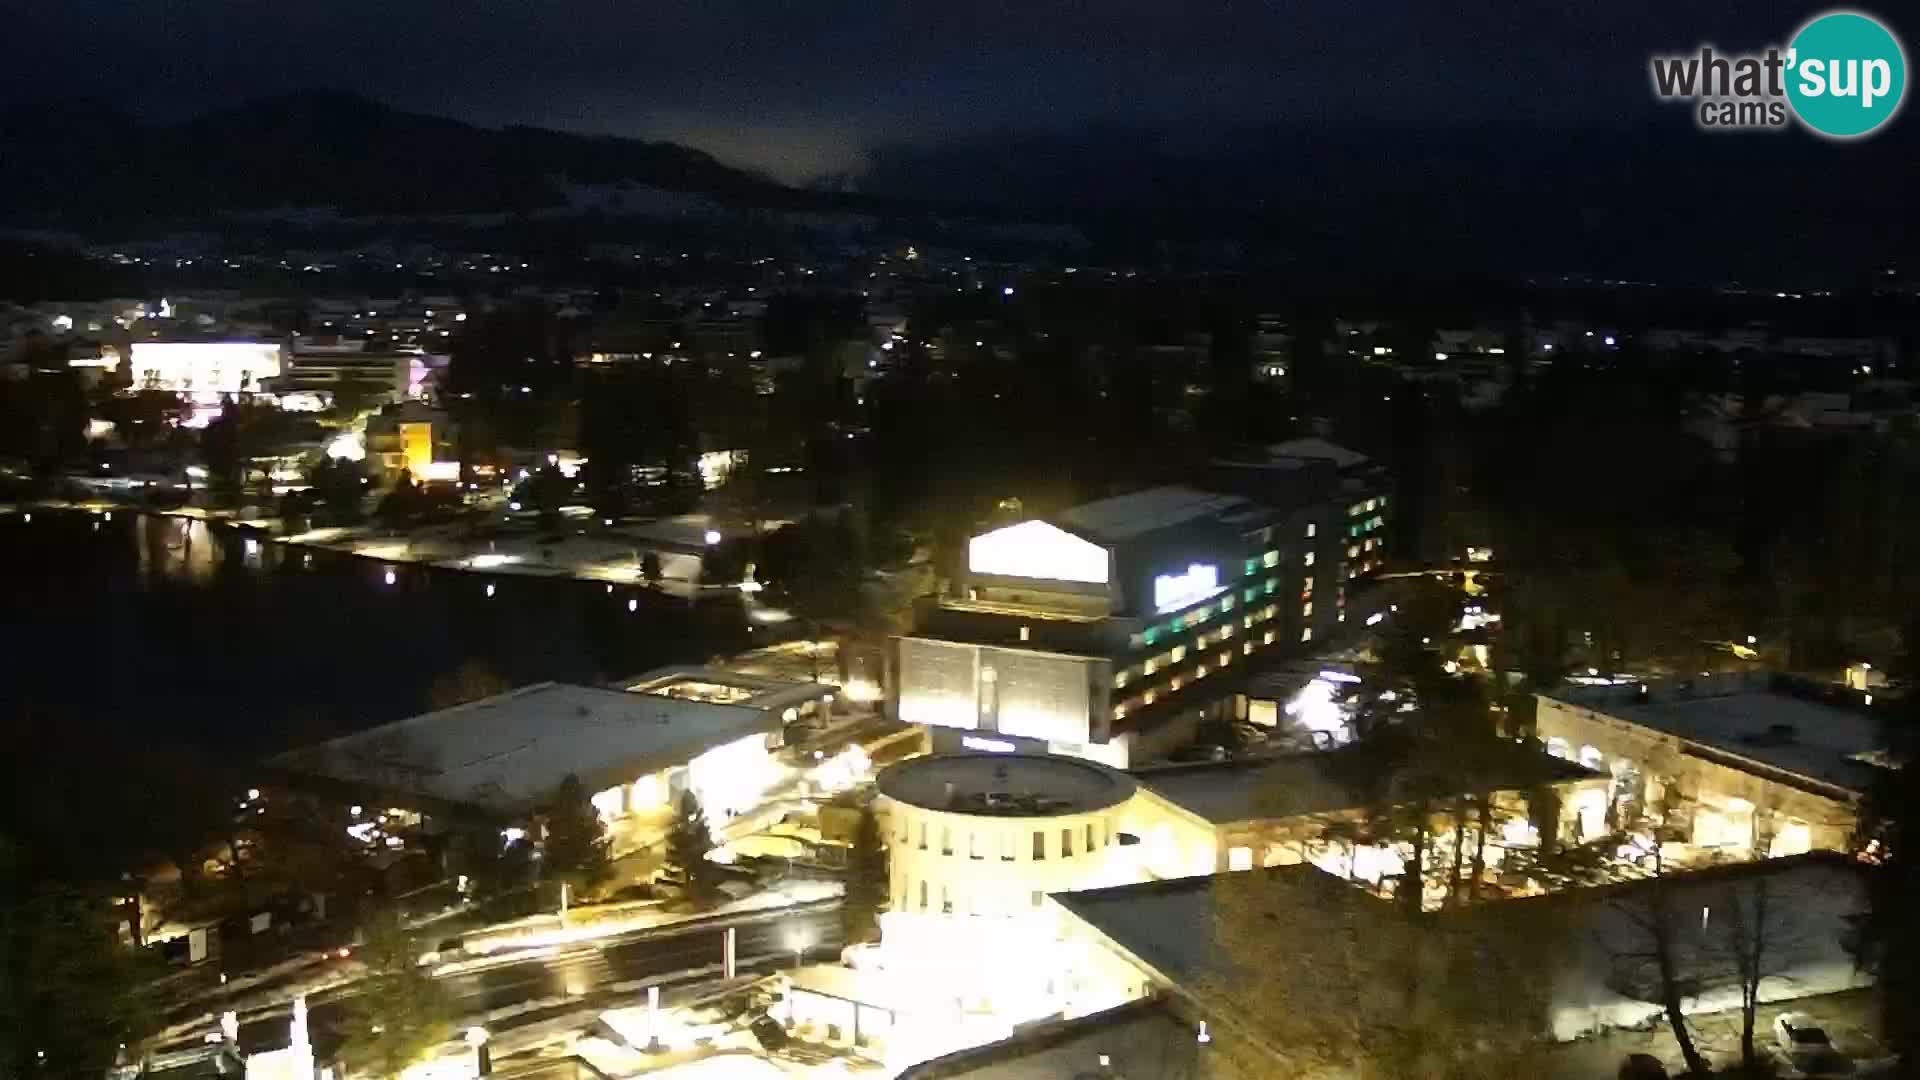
(805, 87)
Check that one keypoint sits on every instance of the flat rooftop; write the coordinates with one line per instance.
(1320, 450)
(508, 753)
(1169, 925)
(1321, 782)
(1005, 785)
(726, 687)
(1745, 716)
(1141, 1038)
(1137, 513)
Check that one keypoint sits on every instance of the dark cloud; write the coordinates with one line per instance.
(804, 86)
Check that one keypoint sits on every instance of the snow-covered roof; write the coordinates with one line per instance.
(508, 753)
(1137, 513)
(1319, 449)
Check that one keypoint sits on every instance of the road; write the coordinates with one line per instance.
(582, 973)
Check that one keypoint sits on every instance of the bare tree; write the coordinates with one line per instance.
(1746, 945)
(1658, 957)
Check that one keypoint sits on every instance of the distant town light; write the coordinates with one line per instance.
(1008, 291)
(712, 537)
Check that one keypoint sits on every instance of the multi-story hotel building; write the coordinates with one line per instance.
(1111, 629)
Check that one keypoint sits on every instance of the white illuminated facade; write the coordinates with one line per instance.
(976, 841)
(204, 367)
(1035, 549)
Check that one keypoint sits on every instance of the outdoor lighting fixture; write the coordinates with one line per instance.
(712, 537)
(489, 588)
(390, 575)
(633, 604)
(1008, 291)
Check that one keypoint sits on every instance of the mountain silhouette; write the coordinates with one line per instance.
(68, 161)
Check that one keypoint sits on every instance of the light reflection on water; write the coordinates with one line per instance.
(216, 635)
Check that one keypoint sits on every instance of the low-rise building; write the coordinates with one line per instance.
(1313, 808)
(1742, 765)
(1549, 967)
(501, 759)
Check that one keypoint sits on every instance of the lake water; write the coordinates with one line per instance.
(173, 629)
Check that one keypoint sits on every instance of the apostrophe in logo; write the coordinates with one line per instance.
(1847, 74)
(1843, 76)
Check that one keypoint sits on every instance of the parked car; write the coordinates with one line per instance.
(1807, 1048)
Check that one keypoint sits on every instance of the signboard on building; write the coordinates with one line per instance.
(1171, 592)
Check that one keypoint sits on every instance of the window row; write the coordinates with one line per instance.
(1004, 844)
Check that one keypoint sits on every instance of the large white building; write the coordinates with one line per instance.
(636, 750)
(204, 367)
(970, 948)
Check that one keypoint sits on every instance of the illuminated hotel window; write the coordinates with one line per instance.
(1026, 633)
(1120, 679)
(1308, 558)
(1247, 648)
(1306, 633)
(1149, 635)
(1226, 658)
(1306, 586)
(1267, 639)
(1271, 586)
(1372, 505)
(1312, 529)
(1271, 558)
(1306, 611)
(1200, 672)
(1175, 683)
(1247, 621)
(1226, 603)
(1356, 509)
(1179, 653)
(1119, 712)
(1343, 616)
(1226, 631)
(1353, 551)
(1147, 698)
(1249, 593)
(1152, 665)
(1039, 844)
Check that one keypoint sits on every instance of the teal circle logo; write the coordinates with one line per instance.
(1847, 74)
